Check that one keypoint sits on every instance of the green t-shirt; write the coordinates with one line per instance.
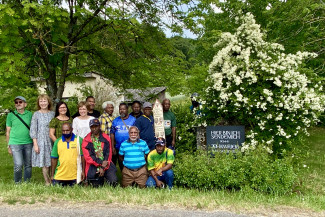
(157, 161)
(19, 133)
(57, 125)
(170, 121)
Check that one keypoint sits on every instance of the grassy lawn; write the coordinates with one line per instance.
(314, 181)
(310, 196)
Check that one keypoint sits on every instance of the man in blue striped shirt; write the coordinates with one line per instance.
(133, 152)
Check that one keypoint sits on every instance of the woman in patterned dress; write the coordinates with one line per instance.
(62, 115)
(39, 132)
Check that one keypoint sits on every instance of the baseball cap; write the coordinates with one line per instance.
(147, 104)
(94, 122)
(21, 98)
(160, 141)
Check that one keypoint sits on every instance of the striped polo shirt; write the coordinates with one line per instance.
(134, 153)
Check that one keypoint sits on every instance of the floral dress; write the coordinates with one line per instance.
(57, 125)
(39, 129)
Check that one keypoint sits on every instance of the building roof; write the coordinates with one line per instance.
(142, 95)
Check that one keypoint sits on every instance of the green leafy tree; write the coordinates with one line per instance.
(297, 24)
(121, 40)
(300, 25)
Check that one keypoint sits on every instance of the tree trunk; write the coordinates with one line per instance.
(51, 85)
(65, 63)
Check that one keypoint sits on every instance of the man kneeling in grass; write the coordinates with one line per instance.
(97, 149)
(64, 158)
(160, 163)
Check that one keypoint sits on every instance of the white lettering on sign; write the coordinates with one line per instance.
(224, 135)
(225, 146)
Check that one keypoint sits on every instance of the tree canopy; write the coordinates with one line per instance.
(124, 40)
(60, 40)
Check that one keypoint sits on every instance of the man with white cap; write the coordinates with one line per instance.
(145, 124)
(160, 163)
(18, 139)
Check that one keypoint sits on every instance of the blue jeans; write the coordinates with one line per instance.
(22, 155)
(167, 177)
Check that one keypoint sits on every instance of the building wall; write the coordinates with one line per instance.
(103, 90)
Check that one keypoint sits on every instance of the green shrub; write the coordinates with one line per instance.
(3, 118)
(322, 120)
(72, 105)
(228, 171)
(186, 134)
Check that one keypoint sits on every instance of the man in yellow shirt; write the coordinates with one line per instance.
(64, 158)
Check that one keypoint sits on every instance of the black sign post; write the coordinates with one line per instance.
(224, 138)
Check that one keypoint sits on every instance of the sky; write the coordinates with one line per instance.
(186, 33)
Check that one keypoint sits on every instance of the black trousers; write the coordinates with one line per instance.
(169, 139)
(64, 182)
(116, 159)
(110, 176)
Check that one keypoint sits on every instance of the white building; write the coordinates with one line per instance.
(103, 90)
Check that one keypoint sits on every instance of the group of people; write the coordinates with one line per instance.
(88, 145)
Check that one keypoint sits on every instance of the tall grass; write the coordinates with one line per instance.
(314, 164)
(311, 196)
(177, 198)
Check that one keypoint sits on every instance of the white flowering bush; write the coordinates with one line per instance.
(255, 83)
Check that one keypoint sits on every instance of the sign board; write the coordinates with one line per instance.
(225, 138)
(158, 116)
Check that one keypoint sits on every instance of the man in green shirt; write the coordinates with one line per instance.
(18, 139)
(170, 125)
(160, 163)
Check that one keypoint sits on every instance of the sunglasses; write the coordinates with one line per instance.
(19, 102)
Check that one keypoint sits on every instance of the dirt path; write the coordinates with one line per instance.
(101, 210)
(74, 209)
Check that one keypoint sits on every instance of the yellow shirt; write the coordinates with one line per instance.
(106, 123)
(157, 161)
(66, 153)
